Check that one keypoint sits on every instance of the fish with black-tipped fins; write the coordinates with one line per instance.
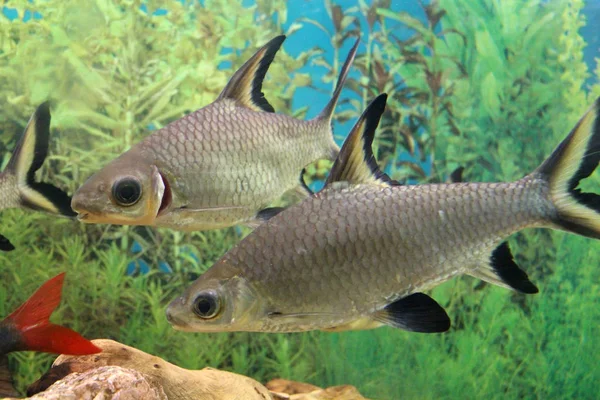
(220, 166)
(28, 328)
(359, 253)
(18, 188)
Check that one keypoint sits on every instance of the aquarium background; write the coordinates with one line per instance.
(489, 85)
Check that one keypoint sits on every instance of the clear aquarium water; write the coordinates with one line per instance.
(492, 86)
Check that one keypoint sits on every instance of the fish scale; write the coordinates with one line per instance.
(358, 254)
(218, 181)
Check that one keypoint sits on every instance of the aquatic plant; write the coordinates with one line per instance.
(418, 77)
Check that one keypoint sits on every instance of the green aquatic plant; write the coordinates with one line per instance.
(417, 76)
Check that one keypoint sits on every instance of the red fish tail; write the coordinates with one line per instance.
(31, 319)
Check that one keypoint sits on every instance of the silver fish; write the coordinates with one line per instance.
(220, 166)
(18, 188)
(358, 254)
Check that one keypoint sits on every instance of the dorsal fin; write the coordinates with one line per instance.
(356, 164)
(245, 87)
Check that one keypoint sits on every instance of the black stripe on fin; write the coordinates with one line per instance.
(502, 270)
(356, 163)
(245, 87)
(575, 159)
(417, 313)
(32, 149)
(5, 244)
(27, 158)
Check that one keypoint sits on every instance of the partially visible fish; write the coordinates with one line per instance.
(28, 329)
(359, 254)
(220, 166)
(18, 187)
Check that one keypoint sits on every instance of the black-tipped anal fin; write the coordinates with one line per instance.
(5, 244)
(503, 263)
(245, 87)
(502, 270)
(356, 163)
(457, 175)
(267, 213)
(416, 313)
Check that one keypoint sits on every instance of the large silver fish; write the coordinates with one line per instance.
(217, 167)
(358, 254)
(18, 188)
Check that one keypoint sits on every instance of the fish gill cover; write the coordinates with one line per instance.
(489, 85)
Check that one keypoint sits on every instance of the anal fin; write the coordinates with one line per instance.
(263, 216)
(417, 313)
(5, 244)
(502, 270)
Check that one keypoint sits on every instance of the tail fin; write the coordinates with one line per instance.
(575, 159)
(28, 157)
(31, 319)
(327, 113)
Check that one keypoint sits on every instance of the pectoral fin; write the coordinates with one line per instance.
(502, 270)
(417, 313)
(5, 244)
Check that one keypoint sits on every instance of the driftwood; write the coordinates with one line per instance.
(176, 383)
(121, 372)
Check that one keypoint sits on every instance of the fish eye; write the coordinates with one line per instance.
(127, 192)
(207, 305)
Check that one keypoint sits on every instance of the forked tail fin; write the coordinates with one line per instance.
(27, 158)
(573, 160)
(327, 113)
(31, 320)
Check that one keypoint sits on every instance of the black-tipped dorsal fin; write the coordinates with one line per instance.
(327, 112)
(417, 313)
(27, 158)
(502, 270)
(245, 87)
(356, 164)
